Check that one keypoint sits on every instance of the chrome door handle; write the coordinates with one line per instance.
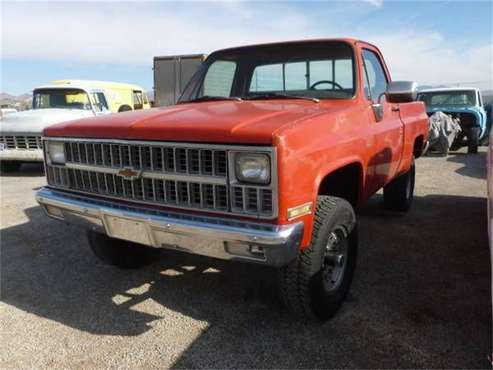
(395, 108)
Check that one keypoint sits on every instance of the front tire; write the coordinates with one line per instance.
(9, 166)
(315, 284)
(120, 253)
(399, 193)
(473, 140)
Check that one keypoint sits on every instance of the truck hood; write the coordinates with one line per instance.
(35, 120)
(246, 122)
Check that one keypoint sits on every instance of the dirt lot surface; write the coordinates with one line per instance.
(420, 298)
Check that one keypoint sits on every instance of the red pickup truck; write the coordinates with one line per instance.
(264, 159)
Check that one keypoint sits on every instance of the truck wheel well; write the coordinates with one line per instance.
(418, 146)
(343, 183)
(124, 108)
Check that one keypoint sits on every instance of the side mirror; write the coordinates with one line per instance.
(401, 91)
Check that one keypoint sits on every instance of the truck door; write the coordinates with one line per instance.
(388, 129)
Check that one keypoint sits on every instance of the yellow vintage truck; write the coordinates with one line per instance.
(120, 97)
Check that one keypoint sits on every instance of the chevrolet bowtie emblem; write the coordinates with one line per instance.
(129, 173)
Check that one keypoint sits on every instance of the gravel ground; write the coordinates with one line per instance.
(420, 298)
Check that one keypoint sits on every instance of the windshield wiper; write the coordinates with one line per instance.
(211, 98)
(275, 95)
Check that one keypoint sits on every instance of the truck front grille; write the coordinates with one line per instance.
(163, 174)
(148, 157)
(22, 142)
(167, 192)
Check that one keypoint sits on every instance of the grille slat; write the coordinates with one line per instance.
(83, 153)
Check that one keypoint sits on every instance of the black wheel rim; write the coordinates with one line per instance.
(335, 260)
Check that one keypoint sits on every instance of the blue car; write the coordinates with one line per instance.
(465, 104)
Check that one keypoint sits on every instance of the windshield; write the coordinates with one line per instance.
(61, 98)
(322, 70)
(465, 98)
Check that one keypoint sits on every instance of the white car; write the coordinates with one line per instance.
(4, 111)
(20, 133)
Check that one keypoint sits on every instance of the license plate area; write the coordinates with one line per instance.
(127, 229)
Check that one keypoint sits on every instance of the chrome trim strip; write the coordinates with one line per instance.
(194, 145)
(151, 174)
(177, 206)
(208, 236)
(21, 133)
(31, 155)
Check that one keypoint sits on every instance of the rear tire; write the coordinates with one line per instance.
(315, 284)
(485, 141)
(398, 194)
(473, 140)
(120, 253)
(124, 108)
(9, 166)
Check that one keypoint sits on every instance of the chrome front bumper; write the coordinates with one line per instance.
(21, 155)
(273, 245)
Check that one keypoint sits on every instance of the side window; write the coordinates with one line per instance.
(41, 100)
(100, 102)
(375, 79)
(138, 99)
(219, 79)
(366, 88)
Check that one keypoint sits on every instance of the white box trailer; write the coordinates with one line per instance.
(171, 75)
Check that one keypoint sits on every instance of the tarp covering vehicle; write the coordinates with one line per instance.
(443, 132)
(465, 104)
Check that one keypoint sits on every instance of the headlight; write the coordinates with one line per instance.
(56, 152)
(253, 168)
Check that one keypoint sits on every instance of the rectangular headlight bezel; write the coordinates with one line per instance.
(262, 157)
(55, 152)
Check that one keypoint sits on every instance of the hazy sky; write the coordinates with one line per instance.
(431, 42)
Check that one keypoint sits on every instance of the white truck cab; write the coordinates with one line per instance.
(64, 100)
